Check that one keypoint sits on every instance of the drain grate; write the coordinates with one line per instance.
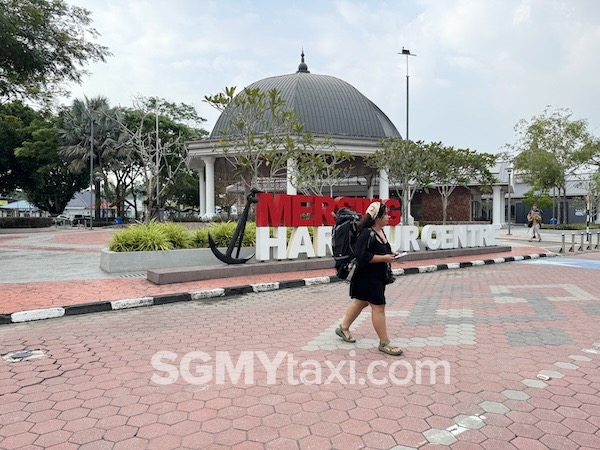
(133, 275)
(23, 355)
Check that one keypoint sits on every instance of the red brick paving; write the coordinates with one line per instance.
(93, 389)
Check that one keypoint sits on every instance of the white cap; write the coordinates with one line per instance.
(373, 209)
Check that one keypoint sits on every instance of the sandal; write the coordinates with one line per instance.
(388, 347)
(341, 332)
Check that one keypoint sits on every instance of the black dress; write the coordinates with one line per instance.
(368, 283)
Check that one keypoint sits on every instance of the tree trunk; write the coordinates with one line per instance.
(98, 199)
(444, 208)
(404, 206)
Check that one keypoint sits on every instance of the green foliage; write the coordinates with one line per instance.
(408, 165)
(89, 129)
(528, 163)
(223, 232)
(44, 44)
(551, 147)
(141, 237)
(25, 222)
(319, 165)
(30, 160)
(156, 131)
(541, 199)
(262, 133)
(200, 238)
(14, 120)
(178, 235)
(171, 236)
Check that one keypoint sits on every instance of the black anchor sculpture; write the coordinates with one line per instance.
(238, 235)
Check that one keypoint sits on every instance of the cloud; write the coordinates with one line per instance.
(481, 66)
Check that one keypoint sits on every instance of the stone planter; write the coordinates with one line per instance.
(116, 262)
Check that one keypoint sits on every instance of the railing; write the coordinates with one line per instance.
(585, 242)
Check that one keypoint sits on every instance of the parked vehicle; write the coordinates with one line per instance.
(61, 219)
(81, 219)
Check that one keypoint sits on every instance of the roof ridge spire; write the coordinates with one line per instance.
(302, 67)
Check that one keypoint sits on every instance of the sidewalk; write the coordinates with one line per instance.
(59, 268)
(502, 356)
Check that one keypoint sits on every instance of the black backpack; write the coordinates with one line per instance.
(343, 240)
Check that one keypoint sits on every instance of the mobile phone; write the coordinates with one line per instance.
(400, 255)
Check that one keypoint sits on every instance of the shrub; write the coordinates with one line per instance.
(171, 236)
(223, 232)
(200, 238)
(178, 235)
(25, 222)
(140, 237)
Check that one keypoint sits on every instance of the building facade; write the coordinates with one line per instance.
(330, 107)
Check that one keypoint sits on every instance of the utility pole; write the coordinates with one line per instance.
(405, 209)
(407, 53)
(158, 215)
(92, 200)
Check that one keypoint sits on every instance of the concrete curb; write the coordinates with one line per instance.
(115, 305)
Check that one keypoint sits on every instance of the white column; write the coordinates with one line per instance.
(202, 190)
(209, 162)
(497, 206)
(290, 175)
(384, 185)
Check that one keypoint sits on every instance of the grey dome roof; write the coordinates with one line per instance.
(326, 105)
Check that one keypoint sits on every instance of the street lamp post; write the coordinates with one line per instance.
(407, 53)
(158, 214)
(405, 211)
(91, 173)
(509, 170)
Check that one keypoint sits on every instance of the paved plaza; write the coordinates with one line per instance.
(501, 356)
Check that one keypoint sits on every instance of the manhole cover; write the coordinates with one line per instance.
(23, 355)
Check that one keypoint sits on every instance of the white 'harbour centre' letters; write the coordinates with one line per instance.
(274, 245)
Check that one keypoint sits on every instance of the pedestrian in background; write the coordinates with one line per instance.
(535, 219)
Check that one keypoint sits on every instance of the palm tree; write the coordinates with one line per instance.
(90, 137)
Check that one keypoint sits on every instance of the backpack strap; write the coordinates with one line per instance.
(371, 237)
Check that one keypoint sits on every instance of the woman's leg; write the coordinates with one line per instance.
(352, 312)
(379, 323)
(378, 319)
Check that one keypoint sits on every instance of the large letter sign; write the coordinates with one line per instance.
(276, 213)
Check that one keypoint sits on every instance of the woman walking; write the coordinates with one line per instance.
(535, 219)
(373, 254)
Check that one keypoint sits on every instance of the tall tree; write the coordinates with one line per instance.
(156, 130)
(14, 120)
(550, 148)
(263, 134)
(458, 167)
(408, 168)
(44, 44)
(30, 149)
(320, 165)
(594, 197)
(91, 140)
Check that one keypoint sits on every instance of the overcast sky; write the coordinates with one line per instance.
(481, 65)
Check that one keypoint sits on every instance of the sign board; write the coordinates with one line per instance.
(275, 214)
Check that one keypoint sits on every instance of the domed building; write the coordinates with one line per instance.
(327, 106)
(330, 107)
